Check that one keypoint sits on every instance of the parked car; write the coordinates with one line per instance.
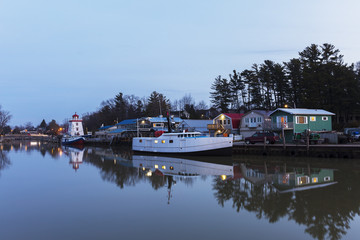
(270, 137)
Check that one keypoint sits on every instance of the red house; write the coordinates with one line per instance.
(225, 124)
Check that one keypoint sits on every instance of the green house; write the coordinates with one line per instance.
(303, 179)
(297, 120)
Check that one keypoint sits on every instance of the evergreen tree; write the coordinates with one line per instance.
(221, 96)
(157, 105)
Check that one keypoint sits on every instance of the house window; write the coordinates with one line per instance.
(303, 180)
(259, 119)
(315, 180)
(77, 129)
(220, 121)
(76, 124)
(229, 121)
(312, 119)
(325, 118)
(301, 120)
(326, 179)
(247, 120)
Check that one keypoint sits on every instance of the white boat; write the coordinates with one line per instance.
(190, 143)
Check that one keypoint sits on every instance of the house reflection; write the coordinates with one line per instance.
(301, 179)
(296, 192)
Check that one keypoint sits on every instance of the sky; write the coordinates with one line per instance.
(60, 57)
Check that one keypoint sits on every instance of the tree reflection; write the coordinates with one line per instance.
(4, 160)
(326, 212)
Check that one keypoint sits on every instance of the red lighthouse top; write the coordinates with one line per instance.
(75, 116)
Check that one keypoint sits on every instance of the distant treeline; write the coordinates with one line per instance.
(123, 107)
(317, 79)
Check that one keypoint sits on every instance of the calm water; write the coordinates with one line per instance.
(95, 193)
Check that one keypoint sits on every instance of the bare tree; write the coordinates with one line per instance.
(4, 119)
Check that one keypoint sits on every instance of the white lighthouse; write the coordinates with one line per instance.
(75, 126)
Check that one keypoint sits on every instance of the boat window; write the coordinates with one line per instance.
(156, 141)
(171, 168)
(171, 141)
(162, 141)
(140, 140)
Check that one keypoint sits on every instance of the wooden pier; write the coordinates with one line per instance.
(320, 150)
(33, 137)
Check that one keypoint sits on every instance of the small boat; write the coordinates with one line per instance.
(75, 134)
(187, 143)
(72, 140)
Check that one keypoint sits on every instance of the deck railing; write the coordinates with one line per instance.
(278, 126)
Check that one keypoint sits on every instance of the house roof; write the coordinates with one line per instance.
(235, 118)
(106, 127)
(118, 130)
(164, 119)
(127, 122)
(303, 111)
(265, 113)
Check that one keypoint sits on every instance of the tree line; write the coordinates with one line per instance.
(318, 79)
(123, 107)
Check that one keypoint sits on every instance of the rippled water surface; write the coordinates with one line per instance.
(49, 192)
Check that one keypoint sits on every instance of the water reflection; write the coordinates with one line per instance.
(309, 196)
(4, 160)
(76, 156)
(323, 198)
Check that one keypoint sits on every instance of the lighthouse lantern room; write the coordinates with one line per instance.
(75, 126)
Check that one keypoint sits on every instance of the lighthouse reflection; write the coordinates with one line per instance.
(76, 156)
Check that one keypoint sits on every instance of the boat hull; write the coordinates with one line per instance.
(73, 141)
(211, 152)
(173, 145)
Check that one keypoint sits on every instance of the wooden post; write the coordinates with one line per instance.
(307, 141)
(283, 135)
(264, 143)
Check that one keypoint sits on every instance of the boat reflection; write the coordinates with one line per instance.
(181, 169)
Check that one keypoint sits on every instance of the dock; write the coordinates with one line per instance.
(345, 151)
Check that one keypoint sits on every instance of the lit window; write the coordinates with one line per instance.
(312, 119)
(162, 141)
(315, 180)
(301, 120)
(156, 166)
(303, 180)
(171, 168)
(325, 118)
(163, 167)
(155, 141)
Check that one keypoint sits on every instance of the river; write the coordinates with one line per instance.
(49, 192)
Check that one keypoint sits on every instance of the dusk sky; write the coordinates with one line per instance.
(60, 57)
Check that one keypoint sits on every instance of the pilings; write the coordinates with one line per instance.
(320, 151)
